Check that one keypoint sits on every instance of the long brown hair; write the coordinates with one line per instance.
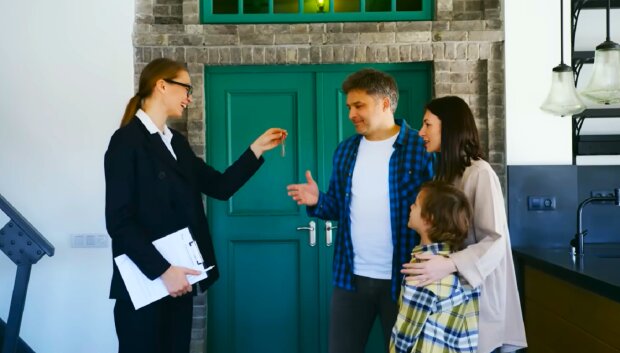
(449, 212)
(459, 137)
(154, 71)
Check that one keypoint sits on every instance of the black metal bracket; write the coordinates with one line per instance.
(24, 245)
(577, 6)
(594, 144)
(579, 58)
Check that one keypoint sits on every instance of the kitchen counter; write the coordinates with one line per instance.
(598, 271)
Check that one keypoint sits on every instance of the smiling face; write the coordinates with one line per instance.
(177, 96)
(367, 112)
(431, 132)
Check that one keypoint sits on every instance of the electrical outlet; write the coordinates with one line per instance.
(541, 203)
(89, 240)
(602, 193)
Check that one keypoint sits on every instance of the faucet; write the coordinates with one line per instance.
(577, 241)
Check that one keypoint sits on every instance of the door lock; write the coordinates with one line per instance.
(328, 232)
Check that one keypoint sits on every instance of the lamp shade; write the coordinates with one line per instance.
(604, 86)
(562, 99)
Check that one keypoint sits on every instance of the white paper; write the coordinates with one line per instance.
(179, 249)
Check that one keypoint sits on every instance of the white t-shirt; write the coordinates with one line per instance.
(371, 227)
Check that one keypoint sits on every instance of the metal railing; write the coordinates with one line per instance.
(24, 245)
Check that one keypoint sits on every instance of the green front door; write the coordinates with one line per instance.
(275, 285)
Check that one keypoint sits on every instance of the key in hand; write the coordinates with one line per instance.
(283, 146)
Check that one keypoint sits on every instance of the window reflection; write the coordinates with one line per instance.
(313, 6)
(255, 6)
(285, 6)
(225, 7)
(316, 6)
(408, 5)
(347, 6)
(378, 5)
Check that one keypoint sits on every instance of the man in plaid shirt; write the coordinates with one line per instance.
(441, 317)
(376, 175)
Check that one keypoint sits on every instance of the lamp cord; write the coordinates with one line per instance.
(562, 31)
(608, 6)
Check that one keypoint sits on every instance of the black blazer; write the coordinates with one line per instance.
(149, 194)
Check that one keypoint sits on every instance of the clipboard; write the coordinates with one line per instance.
(179, 249)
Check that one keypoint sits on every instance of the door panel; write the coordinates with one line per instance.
(262, 270)
(267, 108)
(275, 289)
(267, 295)
(413, 82)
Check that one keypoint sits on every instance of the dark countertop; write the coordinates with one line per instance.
(598, 271)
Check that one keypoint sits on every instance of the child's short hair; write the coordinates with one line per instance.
(449, 212)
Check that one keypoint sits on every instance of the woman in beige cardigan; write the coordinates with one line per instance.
(449, 128)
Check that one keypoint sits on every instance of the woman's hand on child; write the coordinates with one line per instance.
(431, 268)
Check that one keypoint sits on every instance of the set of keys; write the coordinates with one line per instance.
(283, 146)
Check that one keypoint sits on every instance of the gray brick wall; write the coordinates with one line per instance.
(465, 44)
(167, 11)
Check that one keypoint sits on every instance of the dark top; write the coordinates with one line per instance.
(149, 195)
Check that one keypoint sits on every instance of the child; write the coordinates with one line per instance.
(443, 316)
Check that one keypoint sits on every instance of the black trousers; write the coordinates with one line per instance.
(164, 326)
(352, 314)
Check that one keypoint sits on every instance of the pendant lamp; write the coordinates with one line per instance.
(562, 99)
(604, 86)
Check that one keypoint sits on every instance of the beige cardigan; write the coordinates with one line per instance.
(487, 261)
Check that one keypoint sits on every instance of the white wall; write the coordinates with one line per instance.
(532, 50)
(65, 76)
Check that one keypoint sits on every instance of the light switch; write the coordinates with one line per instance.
(89, 240)
(541, 203)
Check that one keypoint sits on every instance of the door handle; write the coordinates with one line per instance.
(328, 232)
(312, 232)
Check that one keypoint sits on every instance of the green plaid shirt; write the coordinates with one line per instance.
(439, 318)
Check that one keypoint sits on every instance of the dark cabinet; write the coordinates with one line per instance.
(562, 317)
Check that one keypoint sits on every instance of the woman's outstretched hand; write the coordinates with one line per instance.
(431, 268)
(268, 140)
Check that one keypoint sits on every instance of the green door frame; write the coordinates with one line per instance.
(329, 132)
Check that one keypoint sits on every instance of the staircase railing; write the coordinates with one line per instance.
(24, 245)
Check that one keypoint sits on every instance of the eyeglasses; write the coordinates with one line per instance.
(189, 88)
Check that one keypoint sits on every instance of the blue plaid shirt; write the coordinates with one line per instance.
(410, 166)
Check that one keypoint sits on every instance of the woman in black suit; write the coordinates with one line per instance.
(154, 183)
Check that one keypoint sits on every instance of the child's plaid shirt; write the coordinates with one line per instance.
(441, 317)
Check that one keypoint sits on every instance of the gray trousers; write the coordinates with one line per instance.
(352, 314)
